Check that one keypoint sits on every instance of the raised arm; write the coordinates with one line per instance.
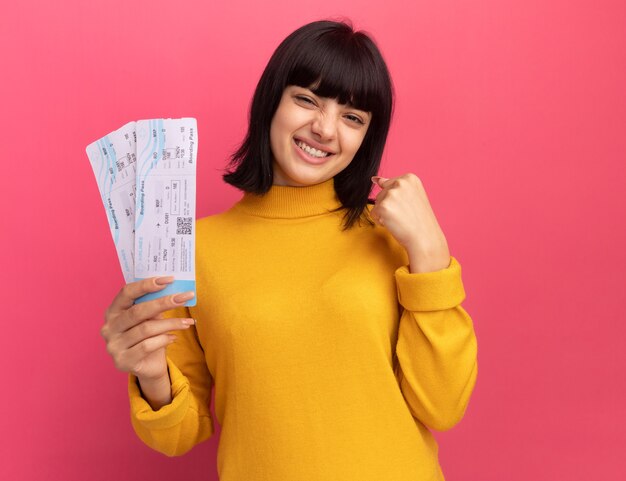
(437, 348)
(186, 421)
(171, 414)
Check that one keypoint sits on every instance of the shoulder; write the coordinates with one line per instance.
(219, 228)
(210, 226)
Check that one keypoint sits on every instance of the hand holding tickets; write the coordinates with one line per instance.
(146, 174)
(137, 335)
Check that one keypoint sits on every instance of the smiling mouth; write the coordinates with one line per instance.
(318, 154)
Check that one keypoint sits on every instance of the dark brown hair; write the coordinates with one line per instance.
(336, 62)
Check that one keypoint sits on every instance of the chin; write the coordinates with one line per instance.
(300, 178)
(303, 182)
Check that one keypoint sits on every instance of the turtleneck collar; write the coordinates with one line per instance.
(289, 202)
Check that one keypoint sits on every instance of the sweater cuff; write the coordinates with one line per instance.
(168, 415)
(430, 291)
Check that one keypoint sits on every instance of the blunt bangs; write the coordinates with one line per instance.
(340, 68)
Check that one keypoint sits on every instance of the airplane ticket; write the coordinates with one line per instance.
(166, 203)
(113, 159)
(146, 175)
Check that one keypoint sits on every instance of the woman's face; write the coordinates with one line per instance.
(313, 138)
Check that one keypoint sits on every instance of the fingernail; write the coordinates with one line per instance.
(189, 322)
(185, 296)
(172, 337)
(161, 281)
(375, 177)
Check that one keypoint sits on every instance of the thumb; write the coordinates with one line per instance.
(378, 180)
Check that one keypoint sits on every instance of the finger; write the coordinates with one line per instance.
(380, 181)
(149, 329)
(133, 290)
(380, 196)
(378, 220)
(133, 356)
(374, 215)
(144, 311)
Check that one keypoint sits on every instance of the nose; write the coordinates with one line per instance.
(324, 125)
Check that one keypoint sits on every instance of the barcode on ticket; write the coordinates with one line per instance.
(183, 225)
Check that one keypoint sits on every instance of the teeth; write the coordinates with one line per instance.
(311, 150)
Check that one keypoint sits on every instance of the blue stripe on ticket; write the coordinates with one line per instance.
(175, 287)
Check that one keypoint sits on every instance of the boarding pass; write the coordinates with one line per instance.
(146, 175)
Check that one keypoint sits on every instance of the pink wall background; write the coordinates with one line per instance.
(513, 113)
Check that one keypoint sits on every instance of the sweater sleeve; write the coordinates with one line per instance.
(177, 427)
(436, 348)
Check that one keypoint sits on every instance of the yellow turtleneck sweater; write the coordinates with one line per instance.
(330, 360)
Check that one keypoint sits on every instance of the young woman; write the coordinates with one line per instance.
(329, 324)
